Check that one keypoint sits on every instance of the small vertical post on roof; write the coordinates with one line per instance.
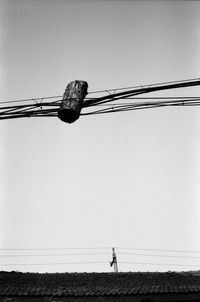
(114, 261)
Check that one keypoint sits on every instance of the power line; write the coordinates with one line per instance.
(173, 99)
(159, 250)
(138, 86)
(98, 91)
(99, 253)
(121, 107)
(31, 99)
(98, 248)
(144, 89)
(55, 255)
(130, 98)
(50, 109)
(40, 100)
(54, 248)
(163, 97)
(151, 263)
(99, 262)
(54, 263)
(163, 256)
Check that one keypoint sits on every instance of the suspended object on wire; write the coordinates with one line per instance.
(74, 102)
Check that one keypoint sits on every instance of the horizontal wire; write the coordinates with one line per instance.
(33, 110)
(31, 99)
(36, 105)
(37, 99)
(131, 98)
(54, 248)
(173, 99)
(158, 250)
(118, 248)
(163, 97)
(29, 105)
(99, 253)
(163, 256)
(53, 112)
(144, 89)
(137, 86)
(193, 100)
(56, 255)
(151, 263)
(138, 107)
(99, 262)
(98, 91)
(52, 263)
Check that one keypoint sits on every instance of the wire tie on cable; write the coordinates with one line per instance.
(108, 92)
(114, 92)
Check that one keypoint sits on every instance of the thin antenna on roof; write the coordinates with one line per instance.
(114, 261)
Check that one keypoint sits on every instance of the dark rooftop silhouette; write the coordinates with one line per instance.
(98, 284)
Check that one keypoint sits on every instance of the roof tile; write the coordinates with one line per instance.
(97, 284)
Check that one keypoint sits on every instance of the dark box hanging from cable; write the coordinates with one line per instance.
(71, 104)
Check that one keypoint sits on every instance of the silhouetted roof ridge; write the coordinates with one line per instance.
(98, 284)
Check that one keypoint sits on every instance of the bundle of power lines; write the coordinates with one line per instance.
(99, 255)
(106, 101)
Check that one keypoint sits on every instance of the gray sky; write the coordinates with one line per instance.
(123, 179)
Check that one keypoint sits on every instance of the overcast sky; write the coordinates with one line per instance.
(127, 180)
